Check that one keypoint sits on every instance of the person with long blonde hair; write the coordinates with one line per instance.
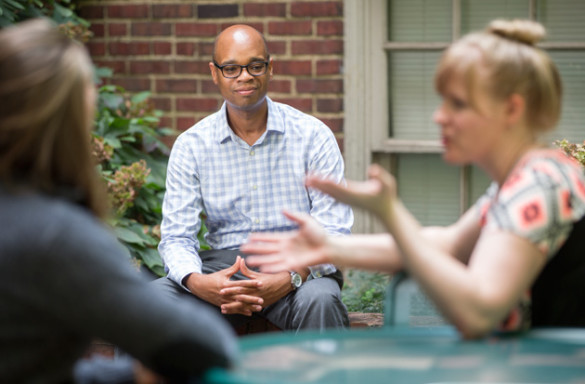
(64, 278)
(515, 259)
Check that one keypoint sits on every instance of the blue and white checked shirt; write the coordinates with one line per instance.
(243, 188)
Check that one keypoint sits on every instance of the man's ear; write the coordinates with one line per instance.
(270, 69)
(214, 72)
(516, 108)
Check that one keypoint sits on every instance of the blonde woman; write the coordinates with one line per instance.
(514, 259)
(64, 278)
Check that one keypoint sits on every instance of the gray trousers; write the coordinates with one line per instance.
(314, 305)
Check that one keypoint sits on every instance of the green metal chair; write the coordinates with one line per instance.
(406, 305)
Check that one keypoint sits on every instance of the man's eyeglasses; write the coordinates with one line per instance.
(231, 71)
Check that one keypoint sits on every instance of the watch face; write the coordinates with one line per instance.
(296, 279)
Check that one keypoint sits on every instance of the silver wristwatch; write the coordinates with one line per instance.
(295, 280)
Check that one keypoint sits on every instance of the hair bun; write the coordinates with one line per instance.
(523, 31)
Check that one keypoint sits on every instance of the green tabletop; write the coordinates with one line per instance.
(408, 355)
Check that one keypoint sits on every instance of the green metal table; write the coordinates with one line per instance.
(407, 356)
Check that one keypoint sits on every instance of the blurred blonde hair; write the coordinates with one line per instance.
(44, 122)
(502, 60)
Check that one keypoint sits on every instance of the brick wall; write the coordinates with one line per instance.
(165, 46)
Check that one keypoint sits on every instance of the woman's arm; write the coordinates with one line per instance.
(309, 245)
(477, 296)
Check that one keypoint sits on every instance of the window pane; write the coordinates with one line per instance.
(412, 95)
(429, 188)
(571, 65)
(419, 20)
(563, 19)
(476, 14)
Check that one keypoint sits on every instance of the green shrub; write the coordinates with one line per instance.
(576, 151)
(364, 291)
(132, 160)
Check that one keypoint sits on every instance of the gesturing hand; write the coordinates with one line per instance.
(375, 195)
(291, 251)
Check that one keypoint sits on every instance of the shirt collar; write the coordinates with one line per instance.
(274, 123)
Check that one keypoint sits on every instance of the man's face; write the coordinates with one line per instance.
(244, 92)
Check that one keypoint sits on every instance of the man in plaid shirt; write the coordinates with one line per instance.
(242, 166)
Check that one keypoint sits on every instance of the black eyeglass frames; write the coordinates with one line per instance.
(231, 71)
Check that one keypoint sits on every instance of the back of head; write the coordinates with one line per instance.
(45, 117)
(503, 60)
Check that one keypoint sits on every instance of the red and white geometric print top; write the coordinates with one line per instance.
(541, 199)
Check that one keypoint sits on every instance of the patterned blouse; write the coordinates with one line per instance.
(541, 200)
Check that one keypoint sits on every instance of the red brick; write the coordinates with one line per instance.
(257, 26)
(319, 86)
(184, 123)
(208, 86)
(134, 48)
(205, 49)
(330, 105)
(128, 11)
(192, 67)
(162, 103)
(96, 48)
(330, 28)
(172, 10)
(197, 104)
(336, 125)
(151, 29)
(276, 47)
(150, 67)
(133, 84)
(117, 29)
(280, 86)
(305, 105)
(316, 8)
(89, 12)
(117, 66)
(196, 29)
(176, 86)
(313, 47)
(185, 49)
(264, 10)
(166, 121)
(162, 48)
(329, 67)
(290, 27)
(215, 11)
(292, 67)
(97, 29)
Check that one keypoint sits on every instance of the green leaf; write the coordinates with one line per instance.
(140, 97)
(128, 236)
(151, 258)
(63, 11)
(15, 4)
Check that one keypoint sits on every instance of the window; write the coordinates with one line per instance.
(392, 48)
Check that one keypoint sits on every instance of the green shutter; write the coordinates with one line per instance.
(564, 19)
(429, 188)
(571, 65)
(419, 20)
(412, 95)
(476, 14)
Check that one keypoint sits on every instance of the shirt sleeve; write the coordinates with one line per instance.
(337, 218)
(537, 203)
(182, 207)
